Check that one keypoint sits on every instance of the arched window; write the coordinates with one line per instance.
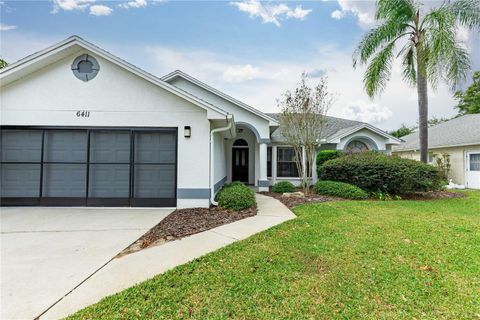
(240, 143)
(356, 146)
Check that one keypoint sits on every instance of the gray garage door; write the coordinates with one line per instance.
(95, 167)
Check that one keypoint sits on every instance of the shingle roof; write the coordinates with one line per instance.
(461, 131)
(333, 126)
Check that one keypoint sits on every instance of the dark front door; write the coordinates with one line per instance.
(240, 164)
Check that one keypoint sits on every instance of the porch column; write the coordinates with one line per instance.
(263, 181)
(274, 164)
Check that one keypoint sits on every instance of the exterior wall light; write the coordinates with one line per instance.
(187, 132)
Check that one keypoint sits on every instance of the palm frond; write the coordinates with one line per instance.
(409, 71)
(445, 58)
(457, 66)
(377, 37)
(467, 12)
(379, 70)
(396, 10)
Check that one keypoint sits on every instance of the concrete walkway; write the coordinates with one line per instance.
(126, 271)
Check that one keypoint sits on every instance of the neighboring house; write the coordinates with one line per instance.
(83, 127)
(460, 139)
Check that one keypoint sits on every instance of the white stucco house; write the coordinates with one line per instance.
(82, 127)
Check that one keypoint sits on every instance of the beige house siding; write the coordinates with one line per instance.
(457, 159)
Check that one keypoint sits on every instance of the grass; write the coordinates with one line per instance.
(337, 260)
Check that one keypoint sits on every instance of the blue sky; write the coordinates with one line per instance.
(252, 50)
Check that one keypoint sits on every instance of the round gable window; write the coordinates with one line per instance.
(85, 67)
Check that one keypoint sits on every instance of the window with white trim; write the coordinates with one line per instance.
(286, 165)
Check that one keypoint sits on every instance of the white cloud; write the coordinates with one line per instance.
(240, 73)
(134, 4)
(6, 27)
(337, 14)
(364, 11)
(372, 113)
(100, 10)
(70, 5)
(271, 13)
(298, 13)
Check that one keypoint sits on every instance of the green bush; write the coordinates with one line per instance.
(226, 186)
(283, 186)
(325, 155)
(339, 189)
(374, 172)
(236, 196)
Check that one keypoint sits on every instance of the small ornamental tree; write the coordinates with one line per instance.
(302, 121)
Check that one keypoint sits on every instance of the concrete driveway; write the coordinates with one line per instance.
(47, 252)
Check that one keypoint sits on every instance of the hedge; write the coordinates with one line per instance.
(283, 186)
(373, 172)
(325, 155)
(236, 196)
(339, 189)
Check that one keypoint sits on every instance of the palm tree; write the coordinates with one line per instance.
(426, 44)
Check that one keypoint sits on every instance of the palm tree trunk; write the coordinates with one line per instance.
(422, 112)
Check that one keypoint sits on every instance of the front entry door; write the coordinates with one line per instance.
(240, 164)
(473, 170)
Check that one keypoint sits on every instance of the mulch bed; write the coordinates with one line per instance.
(291, 202)
(432, 195)
(185, 222)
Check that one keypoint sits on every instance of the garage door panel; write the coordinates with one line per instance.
(21, 145)
(110, 146)
(20, 180)
(65, 146)
(155, 147)
(109, 181)
(64, 180)
(154, 181)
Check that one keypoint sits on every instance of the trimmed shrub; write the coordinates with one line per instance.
(226, 186)
(374, 172)
(283, 186)
(325, 155)
(236, 197)
(339, 189)
(234, 183)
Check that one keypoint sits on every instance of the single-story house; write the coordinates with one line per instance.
(460, 139)
(82, 127)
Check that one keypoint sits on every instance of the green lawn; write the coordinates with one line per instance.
(337, 260)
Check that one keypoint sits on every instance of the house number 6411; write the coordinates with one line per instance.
(83, 114)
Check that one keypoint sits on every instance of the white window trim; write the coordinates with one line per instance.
(276, 161)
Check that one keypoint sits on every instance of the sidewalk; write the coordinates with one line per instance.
(126, 271)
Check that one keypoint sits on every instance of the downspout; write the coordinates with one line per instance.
(229, 118)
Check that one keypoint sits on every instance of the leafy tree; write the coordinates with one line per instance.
(433, 121)
(429, 49)
(402, 131)
(469, 100)
(3, 63)
(302, 121)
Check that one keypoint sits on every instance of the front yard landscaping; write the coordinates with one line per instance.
(337, 260)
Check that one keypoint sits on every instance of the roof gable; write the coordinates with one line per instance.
(74, 44)
(338, 128)
(180, 74)
(460, 131)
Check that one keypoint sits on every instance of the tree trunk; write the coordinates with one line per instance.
(422, 112)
